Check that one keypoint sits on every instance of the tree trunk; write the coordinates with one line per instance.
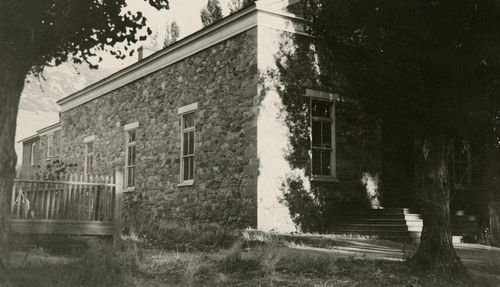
(436, 252)
(12, 76)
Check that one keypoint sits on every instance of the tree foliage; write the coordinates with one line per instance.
(315, 206)
(49, 32)
(236, 5)
(36, 34)
(431, 67)
(211, 13)
(171, 34)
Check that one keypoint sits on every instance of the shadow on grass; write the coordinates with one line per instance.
(254, 259)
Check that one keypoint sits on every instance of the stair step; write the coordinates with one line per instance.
(393, 223)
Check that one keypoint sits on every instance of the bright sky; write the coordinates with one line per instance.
(38, 109)
(185, 12)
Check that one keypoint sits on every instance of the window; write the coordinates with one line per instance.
(322, 138)
(130, 158)
(89, 158)
(50, 146)
(187, 148)
(32, 154)
(460, 165)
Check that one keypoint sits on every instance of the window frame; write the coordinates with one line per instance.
(50, 146)
(86, 141)
(87, 156)
(183, 112)
(128, 144)
(32, 154)
(330, 98)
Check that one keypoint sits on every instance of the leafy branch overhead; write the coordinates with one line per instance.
(211, 13)
(50, 32)
(171, 34)
(35, 34)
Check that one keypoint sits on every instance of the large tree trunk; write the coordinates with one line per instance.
(12, 75)
(436, 252)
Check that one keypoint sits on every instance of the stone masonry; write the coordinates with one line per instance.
(223, 80)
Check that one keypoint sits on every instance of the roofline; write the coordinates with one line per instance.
(196, 42)
(42, 132)
(28, 138)
(168, 50)
(49, 129)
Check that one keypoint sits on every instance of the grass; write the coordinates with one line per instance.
(253, 258)
(190, 237)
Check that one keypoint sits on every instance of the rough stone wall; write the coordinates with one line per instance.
(41, 160)
(223, 80)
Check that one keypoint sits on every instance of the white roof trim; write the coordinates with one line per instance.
(322, 95)
(187, 108)
(131, 126)
(89, 139)
(216, 33)
(28, 139)
(49, 130)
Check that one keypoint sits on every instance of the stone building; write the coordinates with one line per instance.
(193, 124)
(40, 149)
(201, 130)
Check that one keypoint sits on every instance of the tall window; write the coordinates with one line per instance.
(323, 138)
(32, 155)
(460, 165)
(187, 148)
(131, 158)
(50, 145)
(89, 158)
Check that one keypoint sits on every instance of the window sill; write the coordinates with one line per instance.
(129, 189)
(324, 179)
(186, 183)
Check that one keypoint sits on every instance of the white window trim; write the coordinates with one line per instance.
(129, 128)
(89, 139)
(32, 155)
(187, 108)
(49, 155)
(181, 111)
(328, 97)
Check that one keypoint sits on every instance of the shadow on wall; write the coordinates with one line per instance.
(315, 205)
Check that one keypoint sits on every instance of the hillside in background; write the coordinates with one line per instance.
(38, 107)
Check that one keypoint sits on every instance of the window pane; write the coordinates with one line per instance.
(316, 134)
(316, 162)
(326, 135)
(185, 144)
(90, 147)
(130, 176)
(191, 167)
(90, 160)
(191, 142)
(131, 136)
(188, 120)
(185, 165)
(320, 109)
(325, 162)
(131, 155)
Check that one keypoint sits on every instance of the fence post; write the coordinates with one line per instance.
(117, 216)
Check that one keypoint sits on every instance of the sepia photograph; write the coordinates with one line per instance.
(315, 143)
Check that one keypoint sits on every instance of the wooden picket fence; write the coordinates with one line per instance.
(74, 205)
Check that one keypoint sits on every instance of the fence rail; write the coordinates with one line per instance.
(74, 205)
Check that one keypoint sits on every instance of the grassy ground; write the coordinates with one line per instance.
(225, 258)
